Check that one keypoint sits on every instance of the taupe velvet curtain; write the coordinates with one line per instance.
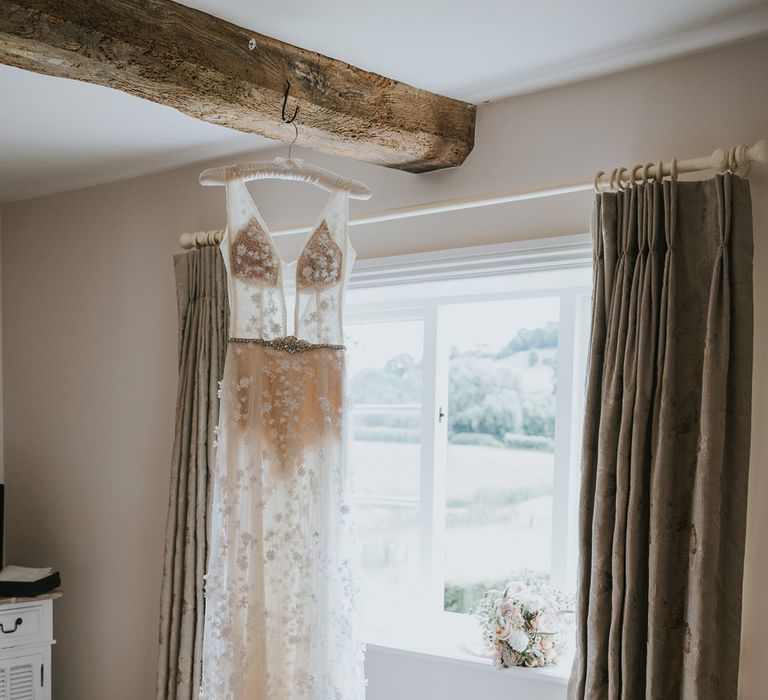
(666, 443)
(203, 319)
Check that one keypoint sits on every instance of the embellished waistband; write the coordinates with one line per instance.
(289, 343)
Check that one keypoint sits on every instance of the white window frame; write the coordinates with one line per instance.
(371, 304)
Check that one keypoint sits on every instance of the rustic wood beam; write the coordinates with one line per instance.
(203, 66)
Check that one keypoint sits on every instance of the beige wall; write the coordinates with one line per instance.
(89, 331)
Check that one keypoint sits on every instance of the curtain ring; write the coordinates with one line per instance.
(600, 173)
(612, 179)
(673, 170)
(732, 160)
(619, 174)
(659, 176)
(633, 175)
(645, 172)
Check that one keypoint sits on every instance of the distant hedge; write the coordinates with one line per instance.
(384, 434)
(516, 441)
(483, 439)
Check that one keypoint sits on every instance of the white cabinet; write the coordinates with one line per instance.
(23, 677)
(26, 637)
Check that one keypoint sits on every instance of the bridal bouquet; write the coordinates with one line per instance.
(526, 624)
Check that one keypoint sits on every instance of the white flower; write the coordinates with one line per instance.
(547, 623)
(516, 588)
(531, 602)
(518, 640)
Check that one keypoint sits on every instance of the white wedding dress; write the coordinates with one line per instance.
(281, 621)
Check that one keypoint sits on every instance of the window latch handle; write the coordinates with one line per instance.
(440, 414)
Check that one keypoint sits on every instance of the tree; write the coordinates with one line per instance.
(483, 398)
(538, 338)
(400, 366)
(398, 382)
(539, 416)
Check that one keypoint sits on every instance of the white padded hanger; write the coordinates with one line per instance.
(286, 169)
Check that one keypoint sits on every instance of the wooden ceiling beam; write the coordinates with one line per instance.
(203, 66)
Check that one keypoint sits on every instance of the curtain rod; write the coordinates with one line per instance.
(737, 159)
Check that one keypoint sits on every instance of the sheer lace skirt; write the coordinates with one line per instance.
(281, 621)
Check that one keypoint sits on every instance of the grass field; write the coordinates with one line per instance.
(498, 515)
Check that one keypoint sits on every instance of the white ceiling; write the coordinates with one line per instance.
(58, 134)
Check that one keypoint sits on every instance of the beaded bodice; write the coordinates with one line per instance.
(260, 286)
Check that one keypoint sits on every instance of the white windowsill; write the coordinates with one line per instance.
(456, 642)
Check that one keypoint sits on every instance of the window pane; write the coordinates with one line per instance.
(501, 421)
(386, 389)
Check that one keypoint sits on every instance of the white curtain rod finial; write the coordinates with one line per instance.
(187, 240)
(759, 152)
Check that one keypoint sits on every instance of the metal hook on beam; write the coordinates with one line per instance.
(285, 104)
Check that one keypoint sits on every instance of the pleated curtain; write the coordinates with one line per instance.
(666, 443)
(203, 320)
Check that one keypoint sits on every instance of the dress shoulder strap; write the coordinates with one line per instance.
(240, 206)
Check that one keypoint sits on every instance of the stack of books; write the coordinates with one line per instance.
(24, 582)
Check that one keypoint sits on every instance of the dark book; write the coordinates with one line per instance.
(16, 582)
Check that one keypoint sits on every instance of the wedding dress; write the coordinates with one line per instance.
(281, 621)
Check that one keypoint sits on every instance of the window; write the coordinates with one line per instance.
(466, 377)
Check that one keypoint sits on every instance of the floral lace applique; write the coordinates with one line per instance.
(320, 263)
(253, 258)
